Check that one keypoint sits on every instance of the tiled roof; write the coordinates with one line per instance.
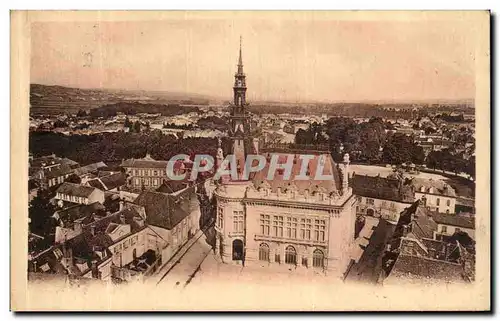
(418, 222)
(146, 162)
(89, 168)
(114, 180)
(96, 183)
(421, 223)
(279, 181)
(382, 188)
(438, 187)
(454, 220)
(408, 266)
(84, 245)
(166, 210)
(69, 215)
(47, 160)
(58, 172)
(109, 182)
(75, 189)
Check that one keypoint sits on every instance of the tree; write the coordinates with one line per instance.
(470, 167)
(81, 113)
(40, 213)
(400, 149)
(137, 127)
(127, 124)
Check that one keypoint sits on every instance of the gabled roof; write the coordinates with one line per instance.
(47, 160)
(433, 186)
(58, 172)
(146, 162)
(454, 220)
(164, 210)
(96, 182)
(114, 180)
(89, 168)
(75, 189)
(109, 182)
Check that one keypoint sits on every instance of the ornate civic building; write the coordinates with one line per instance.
(284, 221)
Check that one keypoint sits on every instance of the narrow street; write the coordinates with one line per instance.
(185, 267)
(369, 266)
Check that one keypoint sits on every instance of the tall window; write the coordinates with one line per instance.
(264, 252)
(302, 228)
(294, 228)
(305, 229)
(238, 221)
(448, 202)
(220, 218)
(318, 258)
(290, 255)
(278, 226)
(438, 201)
(265, 224)
(308, 229)
(319, 230)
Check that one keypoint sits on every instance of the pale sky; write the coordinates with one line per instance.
(322, 60)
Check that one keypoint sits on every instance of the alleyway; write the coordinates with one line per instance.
(369, 266)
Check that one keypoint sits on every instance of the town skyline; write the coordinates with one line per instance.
(423, 61)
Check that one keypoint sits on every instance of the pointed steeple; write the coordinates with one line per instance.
(240, 60)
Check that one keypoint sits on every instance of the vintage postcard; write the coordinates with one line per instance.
(250, 161)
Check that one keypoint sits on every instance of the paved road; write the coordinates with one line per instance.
(187, 266)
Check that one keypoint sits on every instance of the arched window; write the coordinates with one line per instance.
(318, 258)
(290, 255)
(237, 250)
(264, 252)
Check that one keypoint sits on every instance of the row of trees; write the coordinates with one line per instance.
(369, 143)
(87, 149)
(452, 162)
(366, 142)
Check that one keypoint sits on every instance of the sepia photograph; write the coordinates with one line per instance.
(250, 161)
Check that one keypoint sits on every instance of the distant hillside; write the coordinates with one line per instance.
(132, 108)
(61, 100)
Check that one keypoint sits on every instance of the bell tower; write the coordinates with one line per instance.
(239, 118)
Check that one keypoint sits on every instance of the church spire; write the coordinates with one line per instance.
(240, 60)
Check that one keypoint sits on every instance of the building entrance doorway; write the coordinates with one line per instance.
(237, 250)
